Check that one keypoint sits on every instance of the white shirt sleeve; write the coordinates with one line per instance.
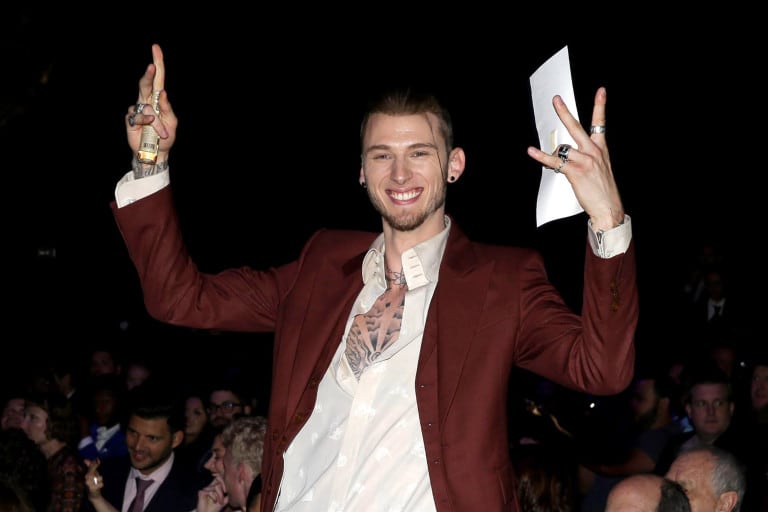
(611, 242)
(129, 189)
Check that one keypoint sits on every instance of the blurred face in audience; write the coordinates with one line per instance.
(223, 407)
(13, 414)
(105, 408)
(644, 402)
(102, 363)
(215, 464)
(759, 388)
(233, 476)
(196, 418)
(693, 471)
(135, 375)
(710, 410)
(35, 423)
(150, 442)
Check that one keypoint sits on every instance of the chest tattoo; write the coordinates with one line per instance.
(376, 330)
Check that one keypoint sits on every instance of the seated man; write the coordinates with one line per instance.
(712, 478)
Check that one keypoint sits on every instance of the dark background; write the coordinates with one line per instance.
(269, 102)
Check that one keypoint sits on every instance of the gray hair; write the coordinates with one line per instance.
(244, 439)
(728, 474)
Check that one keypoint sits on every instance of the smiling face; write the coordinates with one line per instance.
(215, 463)
(405, 167)
(150, 442)
(195, 418)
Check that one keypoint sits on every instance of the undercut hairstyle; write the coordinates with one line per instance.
(403, 102)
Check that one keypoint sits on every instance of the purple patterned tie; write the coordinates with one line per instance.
(138, 501)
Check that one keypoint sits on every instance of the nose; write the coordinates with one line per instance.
(401, 173)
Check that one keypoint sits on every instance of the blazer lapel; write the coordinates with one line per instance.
(452, 320)
(321, 332)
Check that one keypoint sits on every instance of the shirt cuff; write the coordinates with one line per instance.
(611, 242)
(129, 189)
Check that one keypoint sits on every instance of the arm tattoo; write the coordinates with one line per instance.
(143, 170)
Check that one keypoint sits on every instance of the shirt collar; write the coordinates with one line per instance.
(158, 475)
(421, 263)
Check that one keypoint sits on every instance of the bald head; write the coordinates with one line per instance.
(647, 493)
(637, 493)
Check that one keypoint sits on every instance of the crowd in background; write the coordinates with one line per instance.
(699, 383)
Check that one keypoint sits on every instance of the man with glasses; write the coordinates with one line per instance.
(225, 403)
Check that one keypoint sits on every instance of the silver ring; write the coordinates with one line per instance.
(96, 480)
(562, 152)
(139, 108)
(560, 167)
(132, 120)
(597, 128)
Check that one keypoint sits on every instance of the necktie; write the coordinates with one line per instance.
(138, 501)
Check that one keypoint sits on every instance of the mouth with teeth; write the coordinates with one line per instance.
(406, 196)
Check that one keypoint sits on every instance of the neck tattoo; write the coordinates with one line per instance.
(395, 279)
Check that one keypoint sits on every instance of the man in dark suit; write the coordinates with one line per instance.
(155, 428)
(390, 391)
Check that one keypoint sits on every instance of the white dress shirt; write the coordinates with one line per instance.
(159, 475)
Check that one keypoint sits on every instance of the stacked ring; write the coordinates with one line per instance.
(132, 120)
(560, 167)
(139, 108)
(562, 152)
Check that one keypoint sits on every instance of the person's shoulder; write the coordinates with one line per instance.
(345, 240)
(506, 254)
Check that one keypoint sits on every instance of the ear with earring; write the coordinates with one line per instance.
(451, 179)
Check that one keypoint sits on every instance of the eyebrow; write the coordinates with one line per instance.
(386, 147)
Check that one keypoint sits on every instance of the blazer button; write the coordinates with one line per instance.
(436, 461)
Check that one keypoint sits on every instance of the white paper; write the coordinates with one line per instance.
(556, 197)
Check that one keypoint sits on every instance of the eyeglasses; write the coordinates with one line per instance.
(224, 406)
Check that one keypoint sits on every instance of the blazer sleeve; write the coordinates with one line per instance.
(174, 289)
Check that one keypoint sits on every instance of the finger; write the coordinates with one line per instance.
(550, 161)
(145, 85)
(569, 121)
(598, 111)
(157, 58)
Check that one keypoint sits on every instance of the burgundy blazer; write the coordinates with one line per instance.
(493, 308)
